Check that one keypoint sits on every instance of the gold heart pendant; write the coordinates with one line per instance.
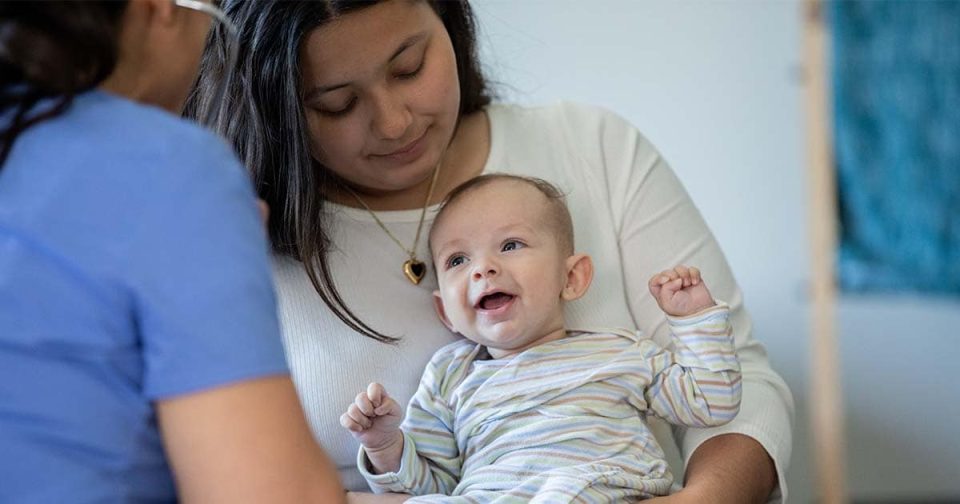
(414, 270)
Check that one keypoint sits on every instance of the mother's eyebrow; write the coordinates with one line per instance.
(404, 45)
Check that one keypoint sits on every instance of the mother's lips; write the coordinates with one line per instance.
(405, 149)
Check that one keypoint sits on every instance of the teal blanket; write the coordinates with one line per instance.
(896, 75)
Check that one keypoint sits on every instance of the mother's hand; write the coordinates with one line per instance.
(369, 498)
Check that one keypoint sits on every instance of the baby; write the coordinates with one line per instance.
(523, 409)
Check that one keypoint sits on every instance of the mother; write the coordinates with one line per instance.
(356, 118)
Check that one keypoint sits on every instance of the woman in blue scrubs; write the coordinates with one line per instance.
(140, 355)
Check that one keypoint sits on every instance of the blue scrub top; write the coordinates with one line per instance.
(133, 267)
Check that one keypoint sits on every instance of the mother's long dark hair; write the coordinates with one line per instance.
(262, 116)
(52, 50)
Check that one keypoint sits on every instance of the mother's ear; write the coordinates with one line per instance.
(579, 276)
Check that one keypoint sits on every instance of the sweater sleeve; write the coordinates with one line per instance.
(430, 463)
(697, 384)
(658, 227)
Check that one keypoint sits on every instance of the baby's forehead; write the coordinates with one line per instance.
(504, 191)
(511, 199)
(502, 202)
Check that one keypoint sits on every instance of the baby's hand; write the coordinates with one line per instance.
(374, 419)
(680, 291)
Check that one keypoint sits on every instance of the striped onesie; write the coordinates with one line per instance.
(562, 421)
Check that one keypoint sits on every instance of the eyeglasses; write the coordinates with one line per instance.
(212, 113)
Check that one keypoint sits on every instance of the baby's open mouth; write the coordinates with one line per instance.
(494, 301)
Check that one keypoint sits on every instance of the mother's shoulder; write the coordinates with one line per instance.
(564, 111)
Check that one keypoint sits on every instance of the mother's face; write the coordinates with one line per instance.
(380, 94)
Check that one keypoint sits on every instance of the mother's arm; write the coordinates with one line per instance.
(369, 498)
(715, 472)
(659, 227)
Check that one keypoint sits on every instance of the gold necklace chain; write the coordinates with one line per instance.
(414, 269)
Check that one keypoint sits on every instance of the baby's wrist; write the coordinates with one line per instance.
(693, 311)
(385, 457)
(704, 307)
(385, 444)
(719, 308)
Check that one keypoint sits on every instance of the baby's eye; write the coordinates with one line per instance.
(511, 245)
(455, 260)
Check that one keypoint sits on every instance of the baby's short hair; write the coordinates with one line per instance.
(558, 214)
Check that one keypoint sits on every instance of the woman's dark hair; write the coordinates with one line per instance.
(52, 50)
(262, 116)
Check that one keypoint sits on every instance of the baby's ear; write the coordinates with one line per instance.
(441, 312)
(579, 276)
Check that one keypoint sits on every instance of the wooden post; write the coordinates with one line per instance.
(826, 401)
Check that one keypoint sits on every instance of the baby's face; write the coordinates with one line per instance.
(499, 266)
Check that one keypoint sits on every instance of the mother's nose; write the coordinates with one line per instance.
(391, 116)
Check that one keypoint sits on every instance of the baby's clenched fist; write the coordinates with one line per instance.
(374, 418)
(680, 291)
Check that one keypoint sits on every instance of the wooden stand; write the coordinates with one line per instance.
(826, 401)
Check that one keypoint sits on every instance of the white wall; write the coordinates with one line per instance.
(716, 85)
